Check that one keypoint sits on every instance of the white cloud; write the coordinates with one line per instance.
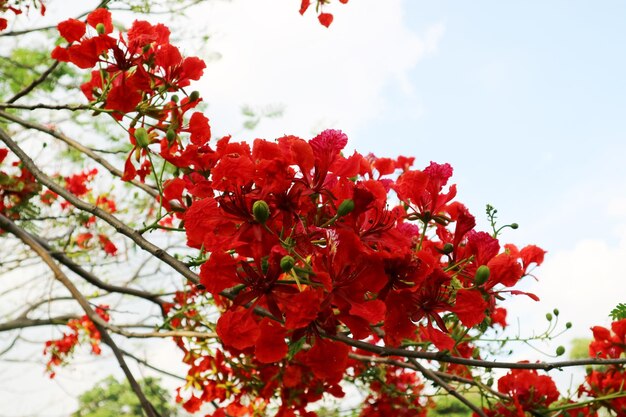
(325, 77)
(583, 278)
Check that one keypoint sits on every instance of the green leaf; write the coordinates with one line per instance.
(619, 312)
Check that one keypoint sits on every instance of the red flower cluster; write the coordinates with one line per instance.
(325, 18)
(81, 329)
(528, 391)
(610, 380)
(16, 188)
(79, 185)
(138, 69)
(300, 231)
(396, 392)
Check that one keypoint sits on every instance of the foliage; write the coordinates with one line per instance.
(619, 312)
(111, 398)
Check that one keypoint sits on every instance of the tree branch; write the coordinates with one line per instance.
(116, 223)
(100, 324)
(446, 358)
(35, 83)
(79, 147)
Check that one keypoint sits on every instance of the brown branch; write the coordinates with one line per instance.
(173, 333)
(449, 389)
(23, 322)
(35, 83)
(94, 280)
(71, 107)
(447, 358)
(25, 31)
(116, 223)
(100, 324)
(79, 147)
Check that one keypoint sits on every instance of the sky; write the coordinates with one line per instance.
(526, 100)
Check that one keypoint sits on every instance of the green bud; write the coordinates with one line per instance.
(490, 382)
(141, 137)
(549, 316)
(175, 98)
(560, 351)
(345, 207)
(286, 263)
(100, 28)
(482, 275)
(568, 325)
(260, 211)
(514, 226)
(170, 135)
(448, 248)
(195, 95)
(556, 311)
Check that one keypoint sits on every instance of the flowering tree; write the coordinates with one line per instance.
(294, 270)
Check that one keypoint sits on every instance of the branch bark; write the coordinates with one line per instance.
(100, 324)
(116, 223)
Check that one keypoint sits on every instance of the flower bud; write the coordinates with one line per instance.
(482, 275)
(549, 316)
(514, 226)
(556, 311)
(141, 137)
(260, 211)
(345, 207)
(100, 28)
(195, 95)
(560, 351)
(286, 263)
(568, 325)
(448, 248)
(170, 135)
(175, 98)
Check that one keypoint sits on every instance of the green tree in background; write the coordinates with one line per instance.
(111, 398)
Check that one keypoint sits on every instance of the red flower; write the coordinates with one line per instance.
(101, 16)
(470, 307)
(327, 359)
(238, 329)
(325, 19)
(72, 30)
(528, 388)
(270, 346)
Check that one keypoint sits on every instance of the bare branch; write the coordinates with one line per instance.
(23, 322)
(71, 107)
(116, 223)
(79, 147)
(35, 83)
(447, 358)
(100, 324)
